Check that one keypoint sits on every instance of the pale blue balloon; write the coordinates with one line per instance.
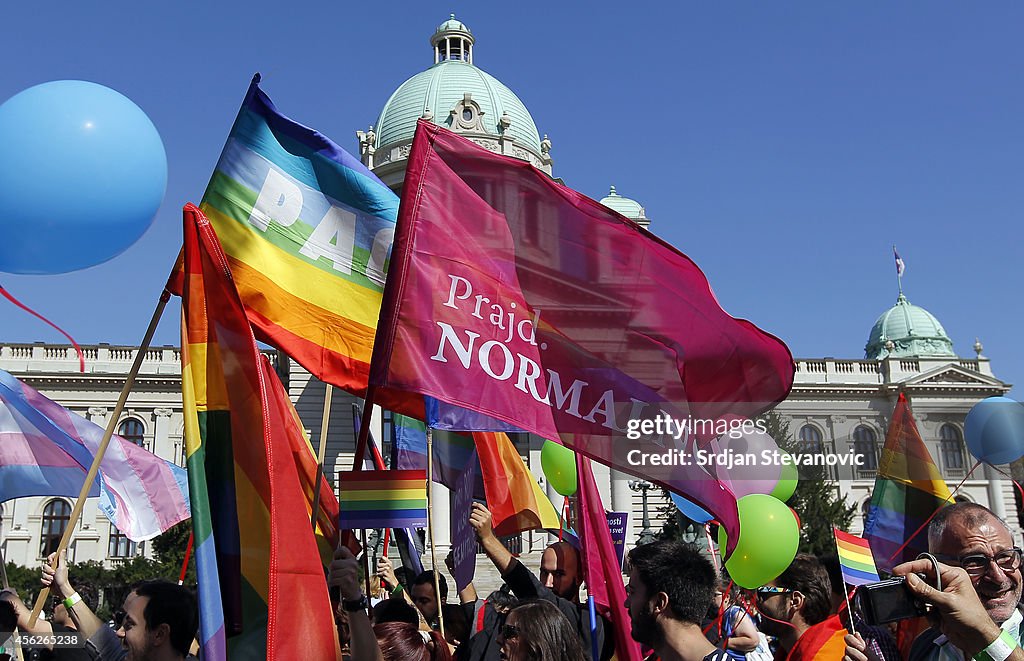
(994, 430)
(690, 510)
(82, 174)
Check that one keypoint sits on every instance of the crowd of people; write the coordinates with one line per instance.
(680, 608)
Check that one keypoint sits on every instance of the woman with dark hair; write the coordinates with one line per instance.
(401, 641)
(537, 631)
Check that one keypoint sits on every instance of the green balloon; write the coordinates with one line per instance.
(769, 538)
(559, 464)
(787, 483)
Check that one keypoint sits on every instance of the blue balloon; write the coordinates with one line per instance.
(994, 430)
(82, 174)
(691, 511)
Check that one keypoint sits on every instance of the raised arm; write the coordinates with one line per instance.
(56, 578)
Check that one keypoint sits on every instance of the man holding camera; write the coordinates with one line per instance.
(975, 614)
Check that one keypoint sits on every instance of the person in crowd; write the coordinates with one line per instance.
(396, 609)
(537, 631)
(8, 623)
(731, 626)
(158, 620)
(559, 583)
(456, 624)
(796, 607)
(401, 641)
(878, 639)
(669, 591)
(353, 621)
(980, 567)
(485, 626)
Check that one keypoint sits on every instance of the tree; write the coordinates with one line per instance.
(817, 500)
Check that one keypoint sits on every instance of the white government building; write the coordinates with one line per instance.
(835, 405)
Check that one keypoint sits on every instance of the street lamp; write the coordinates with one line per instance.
(646, 535)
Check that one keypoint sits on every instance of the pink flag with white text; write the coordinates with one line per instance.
(513, 296)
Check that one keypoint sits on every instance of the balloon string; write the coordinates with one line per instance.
(78, 349)
(1012, 481)
(932, 516)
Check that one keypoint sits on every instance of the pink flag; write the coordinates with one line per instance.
(601, 565)
(513, 296)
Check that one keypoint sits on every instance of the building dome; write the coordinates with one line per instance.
(627, 207)
(906, 330)
(455, 94)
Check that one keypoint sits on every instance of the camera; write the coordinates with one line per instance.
(889, 601)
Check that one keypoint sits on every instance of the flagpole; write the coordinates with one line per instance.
(320, 455)
(430, 530)
(846, 592)
(188, 554)
(364, 429)
(366, 572)
(83, 495)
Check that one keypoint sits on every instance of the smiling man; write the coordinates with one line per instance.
(970, 536)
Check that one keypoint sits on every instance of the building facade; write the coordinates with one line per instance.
(836, 405)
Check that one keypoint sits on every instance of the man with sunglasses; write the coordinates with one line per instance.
(970, 537)
(796, 608)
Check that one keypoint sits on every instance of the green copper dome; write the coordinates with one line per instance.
(906, 330)
(442, 89)
(627, 207)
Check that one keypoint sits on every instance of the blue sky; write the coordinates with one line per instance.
(785, 146)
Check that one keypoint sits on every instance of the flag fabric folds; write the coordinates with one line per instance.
(901, 267)
(515, 297)
(602, 570)
(908, 490)
(307, 230)
(251, 472)
(453, 453)
(855, 558)
(382, 499)
(514, 498)
(46, 450)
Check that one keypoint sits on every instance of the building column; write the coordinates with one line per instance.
(622, 501)
(994, 487)
(162, 446)
(440, 519)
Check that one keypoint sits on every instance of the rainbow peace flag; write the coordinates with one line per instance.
(855, 558)
(307, 230)
(382, 499)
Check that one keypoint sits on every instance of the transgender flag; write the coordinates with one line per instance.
(46, 450)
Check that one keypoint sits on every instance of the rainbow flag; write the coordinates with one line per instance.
(855, 558)
(908, 490)
(382, 499)
(514, 498)
(46, 450)
(251, 474)
(307, 231)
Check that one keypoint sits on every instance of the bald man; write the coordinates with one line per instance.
(559, 583)
(977, 550)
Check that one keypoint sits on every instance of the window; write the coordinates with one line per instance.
(810, 440)
(119, 545)
(56, 515)
(131, 430)
(865, 443)
(951, 443)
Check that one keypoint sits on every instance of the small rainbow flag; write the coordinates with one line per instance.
(382, 499)
(855, 558)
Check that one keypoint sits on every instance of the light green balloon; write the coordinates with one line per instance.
(787, 483)
(769, 538)
(559, 464)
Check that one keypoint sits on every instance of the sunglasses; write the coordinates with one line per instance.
(509, 631)
(769, 590)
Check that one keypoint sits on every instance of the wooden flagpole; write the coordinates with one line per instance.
(76, 511)
(430, 530)
(320, 455)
